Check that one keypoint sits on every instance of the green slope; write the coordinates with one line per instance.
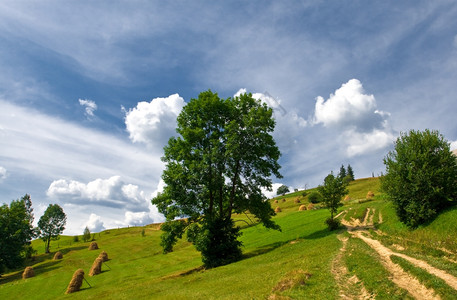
(295, 262)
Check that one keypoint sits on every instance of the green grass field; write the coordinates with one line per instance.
(294, 263)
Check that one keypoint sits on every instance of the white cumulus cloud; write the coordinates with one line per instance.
(90, 106)
(153, 123)
(3, 173)
(137, 218)
(95, 223)
(111, 192)
(363, 127)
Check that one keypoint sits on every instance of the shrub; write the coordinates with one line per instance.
(218, 242)
(75, 239)
(315, 197)
(333, 223)
(421, 176)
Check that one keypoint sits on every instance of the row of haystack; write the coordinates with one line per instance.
(29, 272)
(302, 207)
(78, 277)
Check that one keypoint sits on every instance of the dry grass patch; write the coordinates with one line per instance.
(28, 272)
(293, 279)
(76, 282)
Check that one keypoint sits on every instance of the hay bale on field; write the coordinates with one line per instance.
(276, 201)
(283, 199)
(103, 255)
(96, 267)
(76, 282)
(58, 255)
(278, 209)
(93, 246)
(370, 195)
(28, 272)
(297, 200)
(347, 198)
(310, 206)
(302, 207)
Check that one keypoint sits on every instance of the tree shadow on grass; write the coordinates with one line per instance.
(40, 269)
(263, 250)
(321, 234)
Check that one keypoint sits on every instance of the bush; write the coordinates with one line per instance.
(75, 239)
(218, 242)
(333, 223)
(421, 176)
(315, 197)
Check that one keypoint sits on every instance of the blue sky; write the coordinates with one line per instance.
(90, 90)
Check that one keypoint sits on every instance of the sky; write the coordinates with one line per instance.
(90, 90)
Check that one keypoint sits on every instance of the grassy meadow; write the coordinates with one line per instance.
(295, 263)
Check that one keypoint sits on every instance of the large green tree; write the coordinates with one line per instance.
(421, 176)
(333, 190)
(16, 232)
(52, 224)
(223, 157)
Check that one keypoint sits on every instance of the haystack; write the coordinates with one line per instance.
(347, 198)
(370, 195)
(284, 200)
(278, 209)
(310, 206)
(93, 246)
(297, 200)
(276, 201)
(103, 255)
(76, 282)
(96, 267)
(28, 272)
(302, 207)
(58, 255)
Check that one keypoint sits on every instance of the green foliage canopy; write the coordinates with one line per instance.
(52, 224)
(421, 176)
(283, 189)
(333, 190)
(16, 232)
(217, 166)
(86, 234)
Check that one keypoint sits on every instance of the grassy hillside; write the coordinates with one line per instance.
(298, 262)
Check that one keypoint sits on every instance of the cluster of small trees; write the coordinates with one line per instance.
(17, 231)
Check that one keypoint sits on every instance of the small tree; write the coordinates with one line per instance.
(350, 173)
(333, 190)
(315, 197)
(343, 172)
(51, 224)
(282, 190)
(86, 234)
(421, 176)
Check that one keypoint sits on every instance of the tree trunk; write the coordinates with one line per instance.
(48, 242)
(232, 192)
